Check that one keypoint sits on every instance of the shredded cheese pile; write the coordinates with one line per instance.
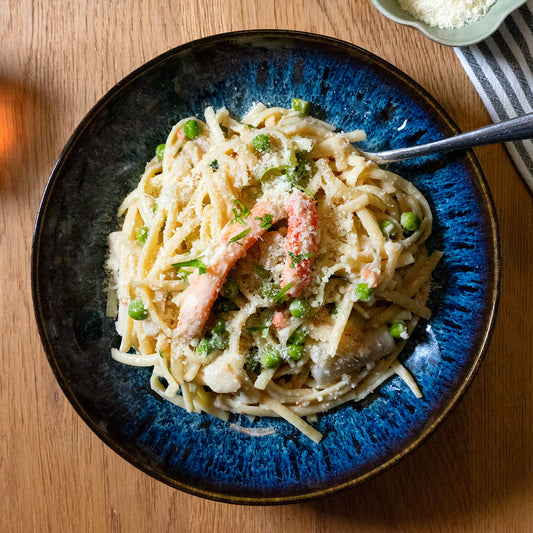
(447, 13)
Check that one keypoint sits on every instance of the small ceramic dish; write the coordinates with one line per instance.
(102, 162)
(464, 36)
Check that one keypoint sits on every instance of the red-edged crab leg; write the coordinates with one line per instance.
(201, 294)
(234, 243)
(302, 243)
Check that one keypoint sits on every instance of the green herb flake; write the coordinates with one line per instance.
(305, 190)
(184, 274)
(295, 259)
(195, 263)
(239, 236)
(300, 171)
(266, 221)
(241, 213)
(280, 296)
(214, 164)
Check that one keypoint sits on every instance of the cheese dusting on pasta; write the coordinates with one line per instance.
(265, 268)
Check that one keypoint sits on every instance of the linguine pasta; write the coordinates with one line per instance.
(264, 267)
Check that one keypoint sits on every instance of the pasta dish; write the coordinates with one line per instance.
(265, 268)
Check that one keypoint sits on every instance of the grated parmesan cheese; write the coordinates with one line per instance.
(447, 13)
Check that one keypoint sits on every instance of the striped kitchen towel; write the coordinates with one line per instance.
(501, 69)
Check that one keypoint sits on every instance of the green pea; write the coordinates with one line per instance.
(261, 142)
(219, 327)
(298, 337)
(137, 310)
(268, 289)
(388, 228)
(398, 330)
(219, 342)
(410, 221)
(204, 347)
(192, 129)
(295, 351)
(364, 292)
(160, 151)
(224, 305)
(302, 169)
(302, 106)
(270, 358)
(230, 289)
(141, 234)
(299, 308)
(271, 172)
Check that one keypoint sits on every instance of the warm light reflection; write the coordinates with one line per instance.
(8, 102)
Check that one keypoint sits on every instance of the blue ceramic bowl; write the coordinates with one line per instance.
(102, 162)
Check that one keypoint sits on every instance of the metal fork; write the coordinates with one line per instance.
(509, 130)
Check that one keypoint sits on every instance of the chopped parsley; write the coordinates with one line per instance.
(305, 190)
(295, 259)
(266, 221)
(241, 213)
(239, 236)
(280, 296)
(264, 329)
(184, 274)
(195, 263)
(214, 164)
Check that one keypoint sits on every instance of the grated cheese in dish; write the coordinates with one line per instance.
(447, 13)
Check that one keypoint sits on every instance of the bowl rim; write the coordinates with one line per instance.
(492, 306)
(427, 30)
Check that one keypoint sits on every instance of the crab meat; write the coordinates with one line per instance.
(302, 243)
(236, 239)
(204, 288)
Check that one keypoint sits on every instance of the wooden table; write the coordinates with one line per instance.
(56, 59)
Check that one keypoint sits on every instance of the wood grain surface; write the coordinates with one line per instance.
(57, 58)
